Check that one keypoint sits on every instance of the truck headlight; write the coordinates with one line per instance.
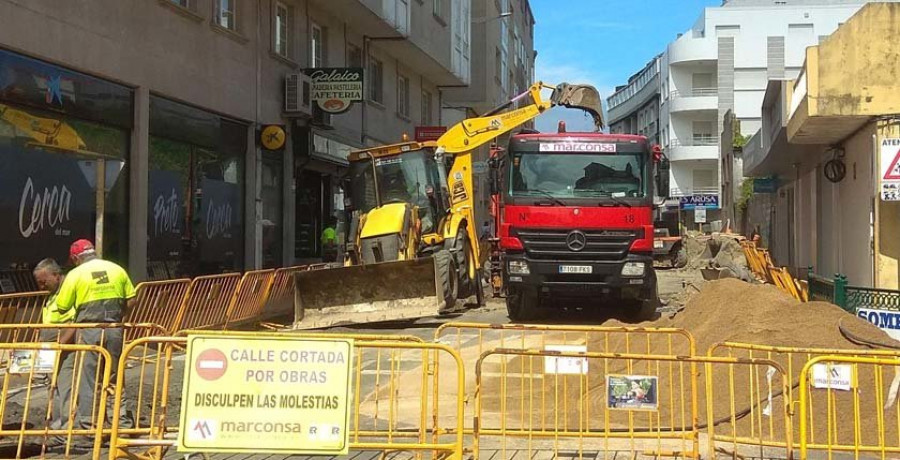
(633, 269)
(518, 267)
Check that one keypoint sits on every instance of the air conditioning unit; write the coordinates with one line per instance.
(298, 94)
(321, 118)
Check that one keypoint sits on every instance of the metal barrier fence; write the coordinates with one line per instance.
(159, 302)
(17, 281)
(250, 297)
(49, 398)
(821, 289)
(638, 403)
(207, 302)
(848, 404)
(21, 308)
(281, 297)
(387, 415)
(792, 359)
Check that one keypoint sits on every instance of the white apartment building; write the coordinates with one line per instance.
(724, 62)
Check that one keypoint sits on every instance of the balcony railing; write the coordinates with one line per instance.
(688, 191)
(698, 140)
(696, 92)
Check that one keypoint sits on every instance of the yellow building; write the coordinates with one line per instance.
(821, 138)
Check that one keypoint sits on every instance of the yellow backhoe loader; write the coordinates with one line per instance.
(412, 247)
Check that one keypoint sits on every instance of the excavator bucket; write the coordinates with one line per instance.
(584, 97)
(360, 294)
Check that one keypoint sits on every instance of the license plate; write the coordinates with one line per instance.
(575, 269)
(657, 244)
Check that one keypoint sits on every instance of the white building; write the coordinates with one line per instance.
(724, 63)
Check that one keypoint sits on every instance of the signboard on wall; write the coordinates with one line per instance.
(890, 169)
(886, 320)
(47, 204)
(699, 215)
(429, 133)
(165, 216)
(693, 201)
(334, 89)
(219, 232)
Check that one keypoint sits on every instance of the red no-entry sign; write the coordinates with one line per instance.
(211, 364)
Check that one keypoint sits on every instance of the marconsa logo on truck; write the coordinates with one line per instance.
(577, 147)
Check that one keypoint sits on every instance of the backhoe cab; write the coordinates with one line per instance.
(412, 247)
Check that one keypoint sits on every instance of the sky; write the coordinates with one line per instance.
(602, 42)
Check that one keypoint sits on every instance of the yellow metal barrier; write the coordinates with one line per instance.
(250, 297)
(207, 302)
(159, 302)
(870, 393)
(609, 403)
(392, 387)
(24, 333)
(40, 410)
(24, 308)
(793, 360)
(281, 297)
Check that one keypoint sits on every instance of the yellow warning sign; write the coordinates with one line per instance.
(279, 395)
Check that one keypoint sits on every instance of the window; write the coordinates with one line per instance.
(426, 108)
(354, 56)
(317, 46)
(498, 67)
(704, 180)
(376, 80)
(181, 3)
(438, 8)
(225, 14)
(728, 31)
(403, 96)
(282, 29)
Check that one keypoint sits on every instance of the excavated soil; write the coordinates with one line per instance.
(724, 311)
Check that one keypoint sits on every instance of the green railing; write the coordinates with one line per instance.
(850, 298)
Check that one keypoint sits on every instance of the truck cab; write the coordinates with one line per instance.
(575, 220)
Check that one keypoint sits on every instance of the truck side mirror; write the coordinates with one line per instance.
(662, 178)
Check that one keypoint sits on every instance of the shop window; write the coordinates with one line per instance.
(196, 179)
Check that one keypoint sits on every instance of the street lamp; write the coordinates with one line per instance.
(484, 20)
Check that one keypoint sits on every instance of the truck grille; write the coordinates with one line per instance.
(600, 245)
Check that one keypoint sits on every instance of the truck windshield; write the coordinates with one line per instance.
(567, 175)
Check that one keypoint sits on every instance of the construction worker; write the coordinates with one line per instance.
(98, 291)
(329, 242)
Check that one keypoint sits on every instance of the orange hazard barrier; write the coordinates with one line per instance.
(588, 405)
(207, 302)
(250, 297)
(848, 406)
(794, 361)
(49, 399)
(392, 392)
(281, 296)
(22, 308)
(159, 302)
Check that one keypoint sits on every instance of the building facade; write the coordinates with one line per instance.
(829, 139)
(634, 107)
(136, 123)
(724, 64)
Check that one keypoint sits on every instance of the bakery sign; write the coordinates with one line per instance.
(335, 88)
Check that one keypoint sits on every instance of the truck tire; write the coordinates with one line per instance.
(523, 305)
(680, 260)
(645, 309)
(446, 270)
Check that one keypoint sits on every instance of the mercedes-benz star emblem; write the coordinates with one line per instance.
(576, 240)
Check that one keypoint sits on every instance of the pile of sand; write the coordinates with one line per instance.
(725, 310)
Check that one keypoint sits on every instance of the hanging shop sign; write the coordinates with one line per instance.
(429, 133)
(890, 169)
(272, 137)
(705, 201)
(334, 89)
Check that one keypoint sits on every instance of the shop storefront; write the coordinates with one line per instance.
(320, 170)
(64, 135)
(196, 181)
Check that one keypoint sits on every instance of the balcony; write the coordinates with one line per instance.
(698, 147)
(694, 100)
(678, 192)
(688, 49)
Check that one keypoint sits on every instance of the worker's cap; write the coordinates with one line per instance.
(81, 248)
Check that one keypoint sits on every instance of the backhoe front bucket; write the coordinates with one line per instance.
(584, 97)
(371, 293)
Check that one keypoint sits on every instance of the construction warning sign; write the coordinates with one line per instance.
(890, 169)
(279, 395)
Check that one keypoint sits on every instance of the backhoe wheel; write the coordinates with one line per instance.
(465, 260)
(446, 270)
(523, 305)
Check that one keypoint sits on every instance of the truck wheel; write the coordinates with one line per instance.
(446, 270)
(680, 260)
(645, 309)
(523, 305)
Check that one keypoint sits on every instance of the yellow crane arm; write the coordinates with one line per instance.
(474, 132)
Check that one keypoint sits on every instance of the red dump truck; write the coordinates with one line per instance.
(574, 220)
